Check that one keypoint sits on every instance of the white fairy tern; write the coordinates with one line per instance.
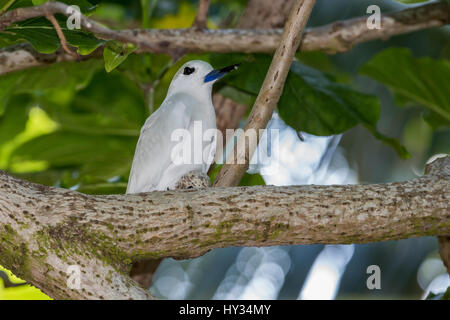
(188, 103)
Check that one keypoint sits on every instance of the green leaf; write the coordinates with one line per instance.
(114, 96)
(252, 180)
(9, 40)
(43, 39)
(15, 117)
(312, 101)
(213, 172)
(435, 120)
(237, 95)
(97, 157)
(5, 5)
(40, 33)
(86, 43)
(250, 75)
(98, 131)
(145, 67)
(394, 143)
(423, 80)
(417, 135)
(109, 105)
(316, 59)
(114, 55)
(94, 124)
(20, 4)
(148, 7)
(69, 76)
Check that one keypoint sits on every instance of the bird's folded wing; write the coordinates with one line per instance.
(154, 148)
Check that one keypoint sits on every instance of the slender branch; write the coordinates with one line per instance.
(269, 94)
(61, 36)
(261, 14)
(202, 15)
(339, 36)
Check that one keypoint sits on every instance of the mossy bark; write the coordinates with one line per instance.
(45, 230)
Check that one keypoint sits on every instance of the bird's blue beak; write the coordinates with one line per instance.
(219, 73)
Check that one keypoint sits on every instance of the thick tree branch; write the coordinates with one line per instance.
(43, 230)
(142, 271)
(269, 94)
(23, 56)
(339, 36)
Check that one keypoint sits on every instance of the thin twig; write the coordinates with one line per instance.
(202, 15)
(61, 36)
(269, 94)
(230, 113)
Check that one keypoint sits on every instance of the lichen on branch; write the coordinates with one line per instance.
(44, 230)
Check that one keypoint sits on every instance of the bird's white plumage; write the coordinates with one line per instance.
(188, 101)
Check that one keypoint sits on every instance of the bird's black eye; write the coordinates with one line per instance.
(188, 70)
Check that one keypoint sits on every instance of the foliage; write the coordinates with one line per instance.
(421, 80)
(40, 33)
(115, 55)
(312, 101)
(21, 292)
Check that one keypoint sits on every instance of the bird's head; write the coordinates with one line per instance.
(197, 75)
